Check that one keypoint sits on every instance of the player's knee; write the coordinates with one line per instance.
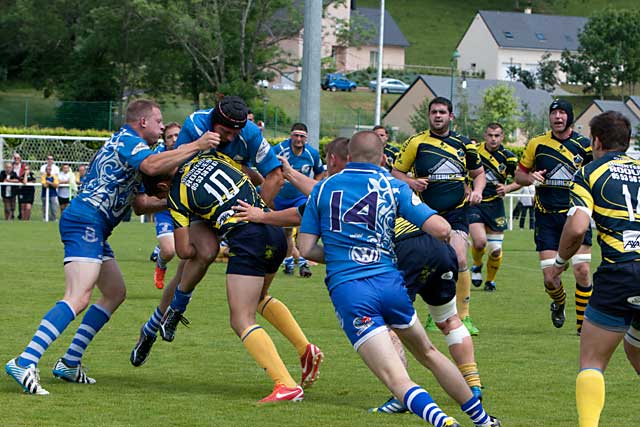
(494, 244)
(444, 314)
(479, 244)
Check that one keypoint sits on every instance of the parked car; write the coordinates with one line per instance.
(389, 85)
(337, 81)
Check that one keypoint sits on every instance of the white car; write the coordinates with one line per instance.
(389, 85)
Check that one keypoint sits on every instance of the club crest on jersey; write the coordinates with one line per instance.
(460, 153)
(362, 324)
(364, 255)
(502, 168)
(577, 160)
(306, 169)
(90, 235)
(634, 300)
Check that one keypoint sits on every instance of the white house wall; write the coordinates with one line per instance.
(527, 59)
(478, 47)
(358, 58)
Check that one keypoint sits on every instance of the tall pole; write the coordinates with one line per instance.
(310, 85)
(379, 77)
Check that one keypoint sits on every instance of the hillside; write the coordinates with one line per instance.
(434, 27)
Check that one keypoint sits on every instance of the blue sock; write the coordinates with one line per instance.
(180, 300)
(153, 324)
(301, 261)
(419, 401)
(161, 263)
(92, 322)
(476, 412)
(52, 325)
(289, 261)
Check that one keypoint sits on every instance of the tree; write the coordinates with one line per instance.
(499, 104)
(609, 52)
(546, 74)
(532, 123)
(419, 120)
(524, 76)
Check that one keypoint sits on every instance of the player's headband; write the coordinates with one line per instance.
(231, 112)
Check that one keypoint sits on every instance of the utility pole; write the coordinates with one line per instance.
(379, 77)
(310, 85)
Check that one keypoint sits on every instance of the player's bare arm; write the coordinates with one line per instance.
(272, 184)
(309, 248)
(143, 204)
(302, 182)
(167, 161)
(526, 177)
(284, 218)
(438, 227)
(479, 182)
(416, 184)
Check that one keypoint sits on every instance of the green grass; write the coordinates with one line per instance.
(205, 377)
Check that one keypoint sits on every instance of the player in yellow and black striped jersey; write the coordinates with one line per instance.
(549, 162)
(608, 191)
(439, 161)
(390, 151)
(488, 220)
(205, 189)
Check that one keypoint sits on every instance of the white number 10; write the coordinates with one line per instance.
(629, 202)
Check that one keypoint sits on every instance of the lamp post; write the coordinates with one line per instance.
(264, 110)
(454, 65)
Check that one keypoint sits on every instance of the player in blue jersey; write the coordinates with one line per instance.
(306, 160)
(165, 250)
(243, 142)
(549, 162)
(607, 190)
(85, 226)
(354, 213)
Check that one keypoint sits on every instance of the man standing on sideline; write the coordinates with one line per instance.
(488, 220)
(165, 250)
(549, 162)
(306, 160)
(354, 213)
(55, 170)
(85, 226)
(389, 150)
(606, 191)
(439, 160)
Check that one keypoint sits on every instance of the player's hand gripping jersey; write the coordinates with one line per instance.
(609, 190)
(561, 160)
(498, 165)
(445, 161)
(207, 187)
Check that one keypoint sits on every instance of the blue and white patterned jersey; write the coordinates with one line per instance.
(354, 213)
(248, 148)
(112, 177)
(160, 148)
(308, 163)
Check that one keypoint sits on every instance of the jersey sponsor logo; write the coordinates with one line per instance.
(263, 150)
(560, 176)
(445, 170)
(224, 217)
(362, 324)
(491, 176)
(138, 148)
(90, 235)
(447, 276)
(364, 255)
(631, 240)
(415, 200)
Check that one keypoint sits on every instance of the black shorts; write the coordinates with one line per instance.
(63, 200)
(548, 230)
(430, 268)
(613, 285)
(458, 219)
(490, 214)
(25, 198)
(255, 249)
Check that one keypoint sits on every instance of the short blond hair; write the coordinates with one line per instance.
(140, 108)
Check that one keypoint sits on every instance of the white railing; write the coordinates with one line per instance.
(511, 197)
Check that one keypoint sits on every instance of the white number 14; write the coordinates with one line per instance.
(629, 202)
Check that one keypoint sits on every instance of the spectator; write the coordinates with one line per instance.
(65, 177)
(527, 207)
(26, 193)
(9, 192)
(49, 182)
(81, 176)
(18, 164)
(55, 170)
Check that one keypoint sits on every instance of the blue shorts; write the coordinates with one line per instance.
(84, 237)
(433, 274)
(490, 214)
(366, 306)
(164, 223)
(281, 204)
(548, 230)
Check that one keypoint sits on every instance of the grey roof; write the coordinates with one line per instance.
(559, 32)
(392, 34)
(622, 108)
(537, 100)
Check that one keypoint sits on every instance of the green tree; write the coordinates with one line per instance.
(609, 52)
(523, 76)
(546, 74)
(499, 104)
(419, 120)
(532, 123)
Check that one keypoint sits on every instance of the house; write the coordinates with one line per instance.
(350, 58)
(630, 107)
(495, 41)
(429, 87)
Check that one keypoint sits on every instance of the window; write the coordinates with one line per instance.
(540, 37)
(373, 58)
(508, 34)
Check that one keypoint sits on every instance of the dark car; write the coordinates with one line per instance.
(337, 81)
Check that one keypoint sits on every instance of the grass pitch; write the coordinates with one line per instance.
(205, 377)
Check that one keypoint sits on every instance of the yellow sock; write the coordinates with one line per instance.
(589, 397)
(493, 264)
(477, 255)
(279, 316)
(470, 373)
(259, 345)
(559, 296)
(463, 293)
(583, 293)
